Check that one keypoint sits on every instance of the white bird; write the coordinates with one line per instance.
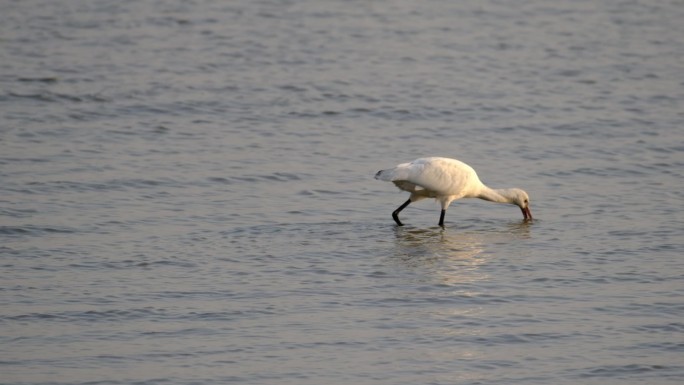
(447, 180)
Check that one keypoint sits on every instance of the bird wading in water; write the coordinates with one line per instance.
(447, 180)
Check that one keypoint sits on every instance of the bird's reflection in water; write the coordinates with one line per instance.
(454, 256)
(447, 277)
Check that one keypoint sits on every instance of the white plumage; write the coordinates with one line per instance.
(447, 180)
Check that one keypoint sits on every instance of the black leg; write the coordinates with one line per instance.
(441, 218)
(396, 212)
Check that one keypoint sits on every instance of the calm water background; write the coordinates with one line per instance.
(187, 193)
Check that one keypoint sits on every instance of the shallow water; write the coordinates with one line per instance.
(187, 192)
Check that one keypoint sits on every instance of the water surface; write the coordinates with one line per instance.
(187, 192)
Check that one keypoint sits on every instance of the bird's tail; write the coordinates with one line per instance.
(401, 172)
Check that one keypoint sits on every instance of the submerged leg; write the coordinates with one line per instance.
(441, 218)
(396, 212)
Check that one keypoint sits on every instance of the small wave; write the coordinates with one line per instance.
(12, 160)
(674, 327)
(315, 192)
(54, 186)
(275, 177)
(131, 264)
(641, 309)
(17, 213)
(507, 339)
(54, 97)
(43, 79)
(34, 230)
(92, 315)
(108, 185)
(628, 370)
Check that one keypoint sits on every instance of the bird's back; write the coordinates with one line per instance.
(443, 176)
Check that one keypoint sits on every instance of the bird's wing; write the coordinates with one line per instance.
(443, 176)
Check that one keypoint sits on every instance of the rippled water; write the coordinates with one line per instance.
(187, 192)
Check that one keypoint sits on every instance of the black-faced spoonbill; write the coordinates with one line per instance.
(447, 180)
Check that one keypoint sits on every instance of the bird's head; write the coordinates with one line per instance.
(522, 200)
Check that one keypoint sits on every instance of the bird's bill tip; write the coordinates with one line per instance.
(527, 214)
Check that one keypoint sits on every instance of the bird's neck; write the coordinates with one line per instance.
(496, 195)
